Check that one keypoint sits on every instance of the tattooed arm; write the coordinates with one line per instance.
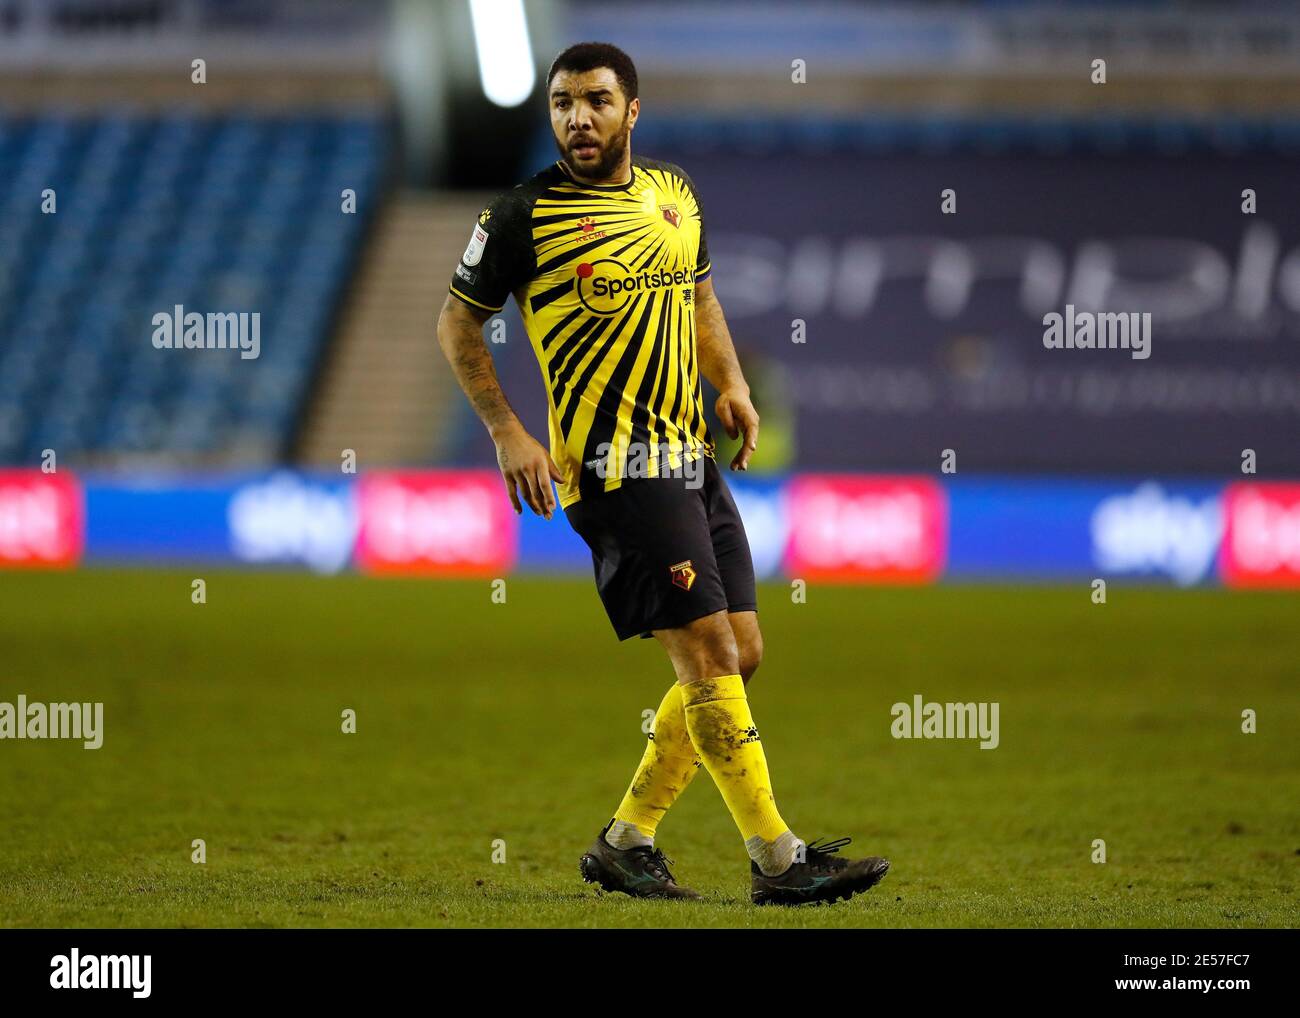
(525, 465)
(719, 365)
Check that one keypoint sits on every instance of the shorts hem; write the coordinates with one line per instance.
(645, 630)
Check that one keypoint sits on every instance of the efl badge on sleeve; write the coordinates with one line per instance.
(477, 242)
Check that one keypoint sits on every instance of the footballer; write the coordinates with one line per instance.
(606, 257)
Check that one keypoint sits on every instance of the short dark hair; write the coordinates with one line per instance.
(587, 56)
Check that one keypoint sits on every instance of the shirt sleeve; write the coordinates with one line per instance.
(499, 257)
(702, 264)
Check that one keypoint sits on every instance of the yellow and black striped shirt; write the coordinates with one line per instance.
(604, 276)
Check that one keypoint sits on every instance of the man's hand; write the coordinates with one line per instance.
(527, 469)
(719, 364)
(738, 417)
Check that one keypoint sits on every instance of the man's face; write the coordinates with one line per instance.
(592, 121)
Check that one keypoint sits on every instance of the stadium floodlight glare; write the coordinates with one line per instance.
(505, 56)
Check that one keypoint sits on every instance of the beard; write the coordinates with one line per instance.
(611, 155)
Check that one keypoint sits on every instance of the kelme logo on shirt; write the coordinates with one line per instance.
(606, 285)
(587, 231)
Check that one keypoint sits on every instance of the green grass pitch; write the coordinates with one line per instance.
(521, 722)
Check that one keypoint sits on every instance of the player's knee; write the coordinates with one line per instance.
(721, 658)
(712, 649)
(703, 649)
(750, 654)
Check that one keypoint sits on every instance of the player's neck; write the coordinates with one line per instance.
(621, 175)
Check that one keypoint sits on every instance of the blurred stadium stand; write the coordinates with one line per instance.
(226, 194)
(386, 392)
(236, 213)
(924, 330)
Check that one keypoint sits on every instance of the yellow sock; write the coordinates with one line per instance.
(723, 733)
(667, 767)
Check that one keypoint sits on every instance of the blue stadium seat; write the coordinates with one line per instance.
(219, 214)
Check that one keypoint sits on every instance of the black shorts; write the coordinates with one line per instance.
(665, 553)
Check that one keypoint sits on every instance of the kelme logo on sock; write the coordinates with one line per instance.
(750, 735)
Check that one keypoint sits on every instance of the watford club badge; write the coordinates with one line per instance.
(683, 575)
(672, 215)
